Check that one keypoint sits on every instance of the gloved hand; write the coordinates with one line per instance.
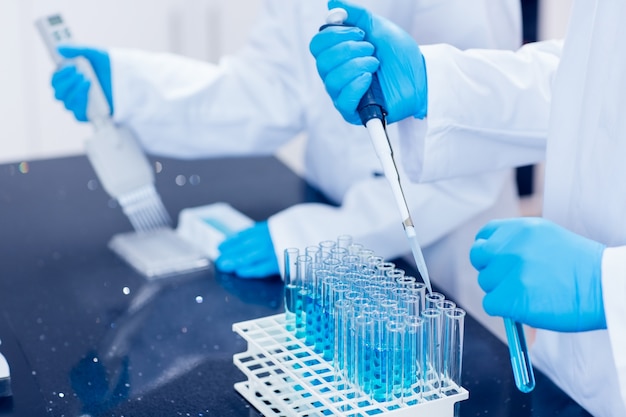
(541, 274)
(348, 55)
(72, 87)
(249, 253)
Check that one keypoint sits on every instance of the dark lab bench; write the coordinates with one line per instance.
(85, 334)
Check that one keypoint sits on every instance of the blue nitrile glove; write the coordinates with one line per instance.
(541, 274)
(249, 253)
(72, 87)
(347, 56)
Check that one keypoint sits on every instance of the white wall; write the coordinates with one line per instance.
(34, 125)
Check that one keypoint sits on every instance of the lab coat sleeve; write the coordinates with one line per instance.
(367, 214)
(487, 110)
(614, 292)
(251, 102)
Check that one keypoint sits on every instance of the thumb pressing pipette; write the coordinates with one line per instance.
(372, 112)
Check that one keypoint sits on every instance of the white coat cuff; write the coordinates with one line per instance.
(614, 293)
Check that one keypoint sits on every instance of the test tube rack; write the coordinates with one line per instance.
(286, 378)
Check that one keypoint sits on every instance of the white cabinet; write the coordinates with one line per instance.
(34, 125)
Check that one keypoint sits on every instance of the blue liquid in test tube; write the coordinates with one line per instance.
(312, 318)
(520, 360)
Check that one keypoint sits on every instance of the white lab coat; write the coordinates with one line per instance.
(500, 108)
(257, 100)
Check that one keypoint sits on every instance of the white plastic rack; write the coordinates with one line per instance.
(286, 378)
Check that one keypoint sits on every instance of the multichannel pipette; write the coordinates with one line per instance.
(121, 166)
(372, 112)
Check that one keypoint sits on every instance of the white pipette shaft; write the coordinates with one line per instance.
(379, 138)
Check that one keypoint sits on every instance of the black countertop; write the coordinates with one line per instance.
(85, 334)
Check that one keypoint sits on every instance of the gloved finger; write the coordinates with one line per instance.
(66, 84)
(63, 74)
(357, 16)
(490, 228)
(238, 258)
(226, 264)
(333, 35)
(76, 101)
(501, 268)
(348, 100)
(342, 53)
(238, 242)
(262, 269)
(73, 51)
(480, 254)
(339, 78)
(505, 301)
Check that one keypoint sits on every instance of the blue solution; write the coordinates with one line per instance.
(378, 373)
(410, 363)
(321, 328)
(312, 319)
(328, 337)
(365, 365)
(350, 352)
(395, 378)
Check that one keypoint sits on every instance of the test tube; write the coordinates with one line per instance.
(396, 274)
(321, 325)
(339, 253)
(431, 359)
(388, 305)
(419, 291)
(373, 261)
(363, 353)
(323, 340)
(325, 247)
(444, 306)
(454, 320)
(344, 241)
(358, 305)
(520, 359)
(378, 370)
(384, 267)
(355, 249)
(365, 255)
(394, 344)
(331, 263)
(313, 252)
(351, 262)
(342, 311)
(432, 299)
(412, 304)
(290, 279)
(413, 348)
(305, 281)
(406, 282)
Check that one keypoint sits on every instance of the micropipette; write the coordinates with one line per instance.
(372, 113)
